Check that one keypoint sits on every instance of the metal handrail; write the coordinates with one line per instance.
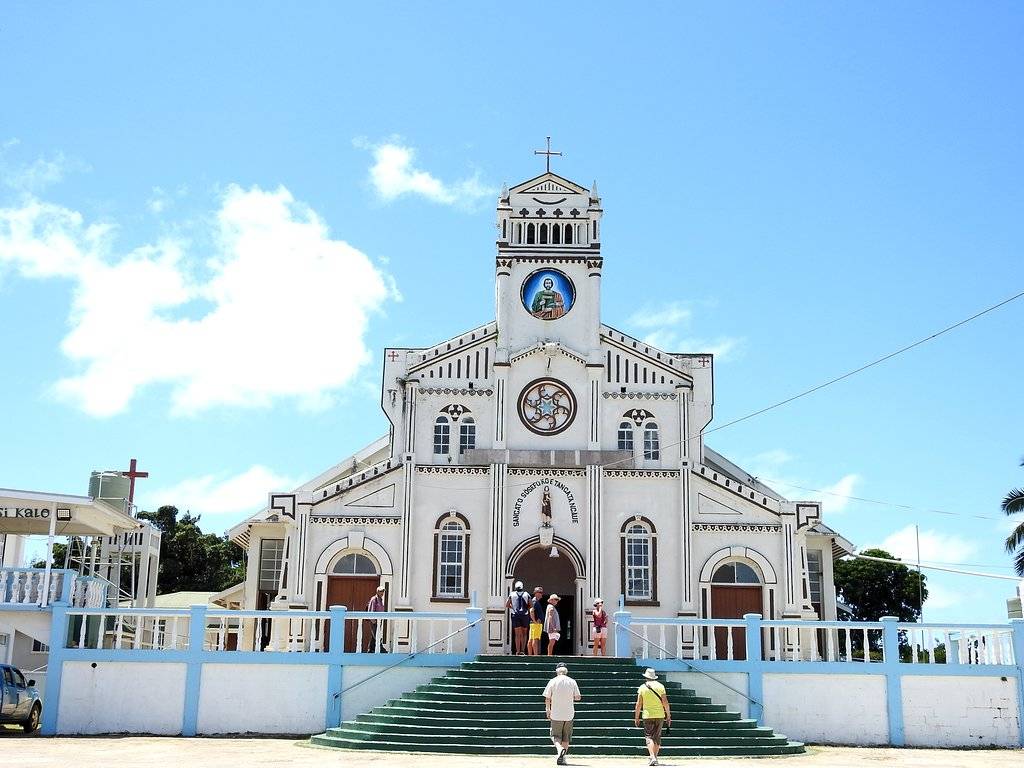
(410, 657)
(687, 664)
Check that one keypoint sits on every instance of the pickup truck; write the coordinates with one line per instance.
(19, 700)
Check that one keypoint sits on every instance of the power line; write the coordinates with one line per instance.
(864, 367)
(940, 568)
(874, 501)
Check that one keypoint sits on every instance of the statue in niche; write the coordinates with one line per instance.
(548, 304)
(545, 507)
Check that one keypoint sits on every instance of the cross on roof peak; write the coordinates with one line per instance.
(547, 155)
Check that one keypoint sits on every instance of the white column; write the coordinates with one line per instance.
(595, 522)
(594, 372)
(496, 542)
(142, 586)
(500, 403)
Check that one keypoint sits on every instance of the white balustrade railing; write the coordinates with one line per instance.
(26, 586)
(793, 640)
(131, 629)
(959, 643)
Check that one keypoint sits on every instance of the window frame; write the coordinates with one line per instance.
(652, 446)
(442, 436)
(625, 533)
(440, 532)
(467, 427)
(276, 572)
(625, 431)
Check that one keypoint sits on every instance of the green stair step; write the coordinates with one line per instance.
(788, 748)
(493, 705)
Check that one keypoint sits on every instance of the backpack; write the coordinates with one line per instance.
(519, 603)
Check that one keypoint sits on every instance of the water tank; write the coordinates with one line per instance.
(110, 486)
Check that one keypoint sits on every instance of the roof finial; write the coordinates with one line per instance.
(548, 153)
(593, 189)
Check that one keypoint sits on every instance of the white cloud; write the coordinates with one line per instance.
(393, 174)
(668, 326)
(228, 498)
(34, 176)
(672, 313)
(771, 468)
(837, 494)
(936, 547)
(275, 309)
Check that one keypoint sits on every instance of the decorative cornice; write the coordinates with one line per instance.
(540, 347)
(735, 527)
(641, 473)
(426, 469)
(641, 395)
(350, 520)
(543, 472)
(454, 391)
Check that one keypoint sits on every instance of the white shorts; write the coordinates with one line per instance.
(602, 633)
(554, 637)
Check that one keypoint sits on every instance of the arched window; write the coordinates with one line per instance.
(543, 234)
(467, 434)
(442, 435)
(639, 552)
(595, 230)
(354, 565)
(529, 234)
(519, 233)
(451, 555)
(556, 234)
(626, 436)
(504, 229)
(735, 573)
(652, 445)
(568, 234)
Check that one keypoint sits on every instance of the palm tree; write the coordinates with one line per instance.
(1013, 504)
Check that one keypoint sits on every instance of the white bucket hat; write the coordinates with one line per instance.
(519, 585)
(650, 674)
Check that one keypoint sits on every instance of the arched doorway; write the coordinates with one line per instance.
(735, 591)
(351, 581)
(557, 575)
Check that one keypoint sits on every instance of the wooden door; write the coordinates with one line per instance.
(729, 602)
(354, 592)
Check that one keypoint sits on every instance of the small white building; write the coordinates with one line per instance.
(544, 446)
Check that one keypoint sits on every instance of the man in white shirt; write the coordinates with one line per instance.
(559, 695)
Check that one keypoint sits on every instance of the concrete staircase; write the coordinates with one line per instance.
(493, 706)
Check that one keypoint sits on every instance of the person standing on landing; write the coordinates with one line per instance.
(600, 628)
(559, 696)
(553, 624)
(536, 621)
(519, 607)
(653, 709)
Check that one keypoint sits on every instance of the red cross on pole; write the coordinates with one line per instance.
(131, 474)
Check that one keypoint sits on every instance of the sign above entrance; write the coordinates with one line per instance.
(547, 505)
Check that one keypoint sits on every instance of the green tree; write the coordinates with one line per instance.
(1014, 504)
(873, 590)
(191, 560)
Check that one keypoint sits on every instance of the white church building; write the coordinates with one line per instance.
(547, 447)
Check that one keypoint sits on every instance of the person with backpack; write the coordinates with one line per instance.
(518, 604)
(653, 709)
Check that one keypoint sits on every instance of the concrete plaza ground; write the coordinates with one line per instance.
(150, 752)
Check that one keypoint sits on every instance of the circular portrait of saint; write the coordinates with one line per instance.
(548, 294)
(547, 406)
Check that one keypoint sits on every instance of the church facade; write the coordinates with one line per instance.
(546, 447)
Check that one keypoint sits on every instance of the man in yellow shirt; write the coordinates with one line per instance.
(652, 707)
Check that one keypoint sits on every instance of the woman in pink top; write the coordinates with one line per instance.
(600, 628)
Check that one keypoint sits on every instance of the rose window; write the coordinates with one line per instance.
(547, 406)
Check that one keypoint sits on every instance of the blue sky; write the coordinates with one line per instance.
(214, 217)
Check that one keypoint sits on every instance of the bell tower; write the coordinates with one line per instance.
(548, 268)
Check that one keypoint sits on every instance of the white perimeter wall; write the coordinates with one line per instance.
(121, 697)
(712, 687)
(386, 686)
(262, 698)
(827, 709)
(960, 711)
